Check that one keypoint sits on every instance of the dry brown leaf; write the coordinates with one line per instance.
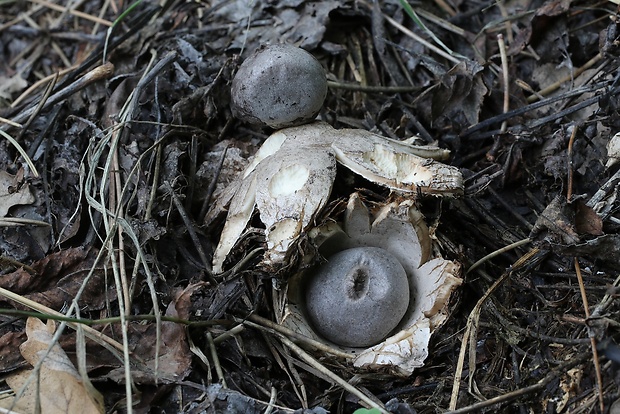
(174, 357)
(556, 222)
(10, 359)
(58, 388)
(457, 100)
(57, 279)
(587, 222)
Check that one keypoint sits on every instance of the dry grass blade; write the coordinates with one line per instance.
(522, 392)
(329, 374)
(103, 340)
(471, 331)
(370, 88)
(111, 226)
(262, 322)
(20, 221)
(443, 23)
(417, 38)
(272, 400)
(21, 151)
(555, 86)
(16, 264)
(37, 84)
(469, 336)
(42, 103)
(289, 368)
(216, 360)
(9, 122)
(76, 13)
(597, 365)
(497, 253)
(505, 77)
(113, 214)
(99, 73)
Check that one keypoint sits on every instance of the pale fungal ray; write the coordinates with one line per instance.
(295, 186)
(290, 179)
(289, 185)
(396, 165)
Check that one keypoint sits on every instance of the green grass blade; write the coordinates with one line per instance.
(414, 16)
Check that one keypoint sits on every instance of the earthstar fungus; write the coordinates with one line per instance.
(399, 229)
(379, 262)
(279, 86)
(290, 179)
(362, 287)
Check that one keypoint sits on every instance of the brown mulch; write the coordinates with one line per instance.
(124, 111)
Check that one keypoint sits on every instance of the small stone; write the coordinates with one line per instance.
(358, 297)
(279, 86)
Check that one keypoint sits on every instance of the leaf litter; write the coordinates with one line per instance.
(54, 386)
(131, 157)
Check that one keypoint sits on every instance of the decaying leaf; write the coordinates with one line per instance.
(605, 248)
(569, 386)
(556, 222)
(58, 277)
(565, 222)
(290, 180)
(587, 222)
(9, 343)
(11, 85)
(458, 99)
(613, 151)
(174, 356)
(298, 22)
(57, 387)
(12, 193)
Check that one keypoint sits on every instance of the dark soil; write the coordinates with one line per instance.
(130, 129)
